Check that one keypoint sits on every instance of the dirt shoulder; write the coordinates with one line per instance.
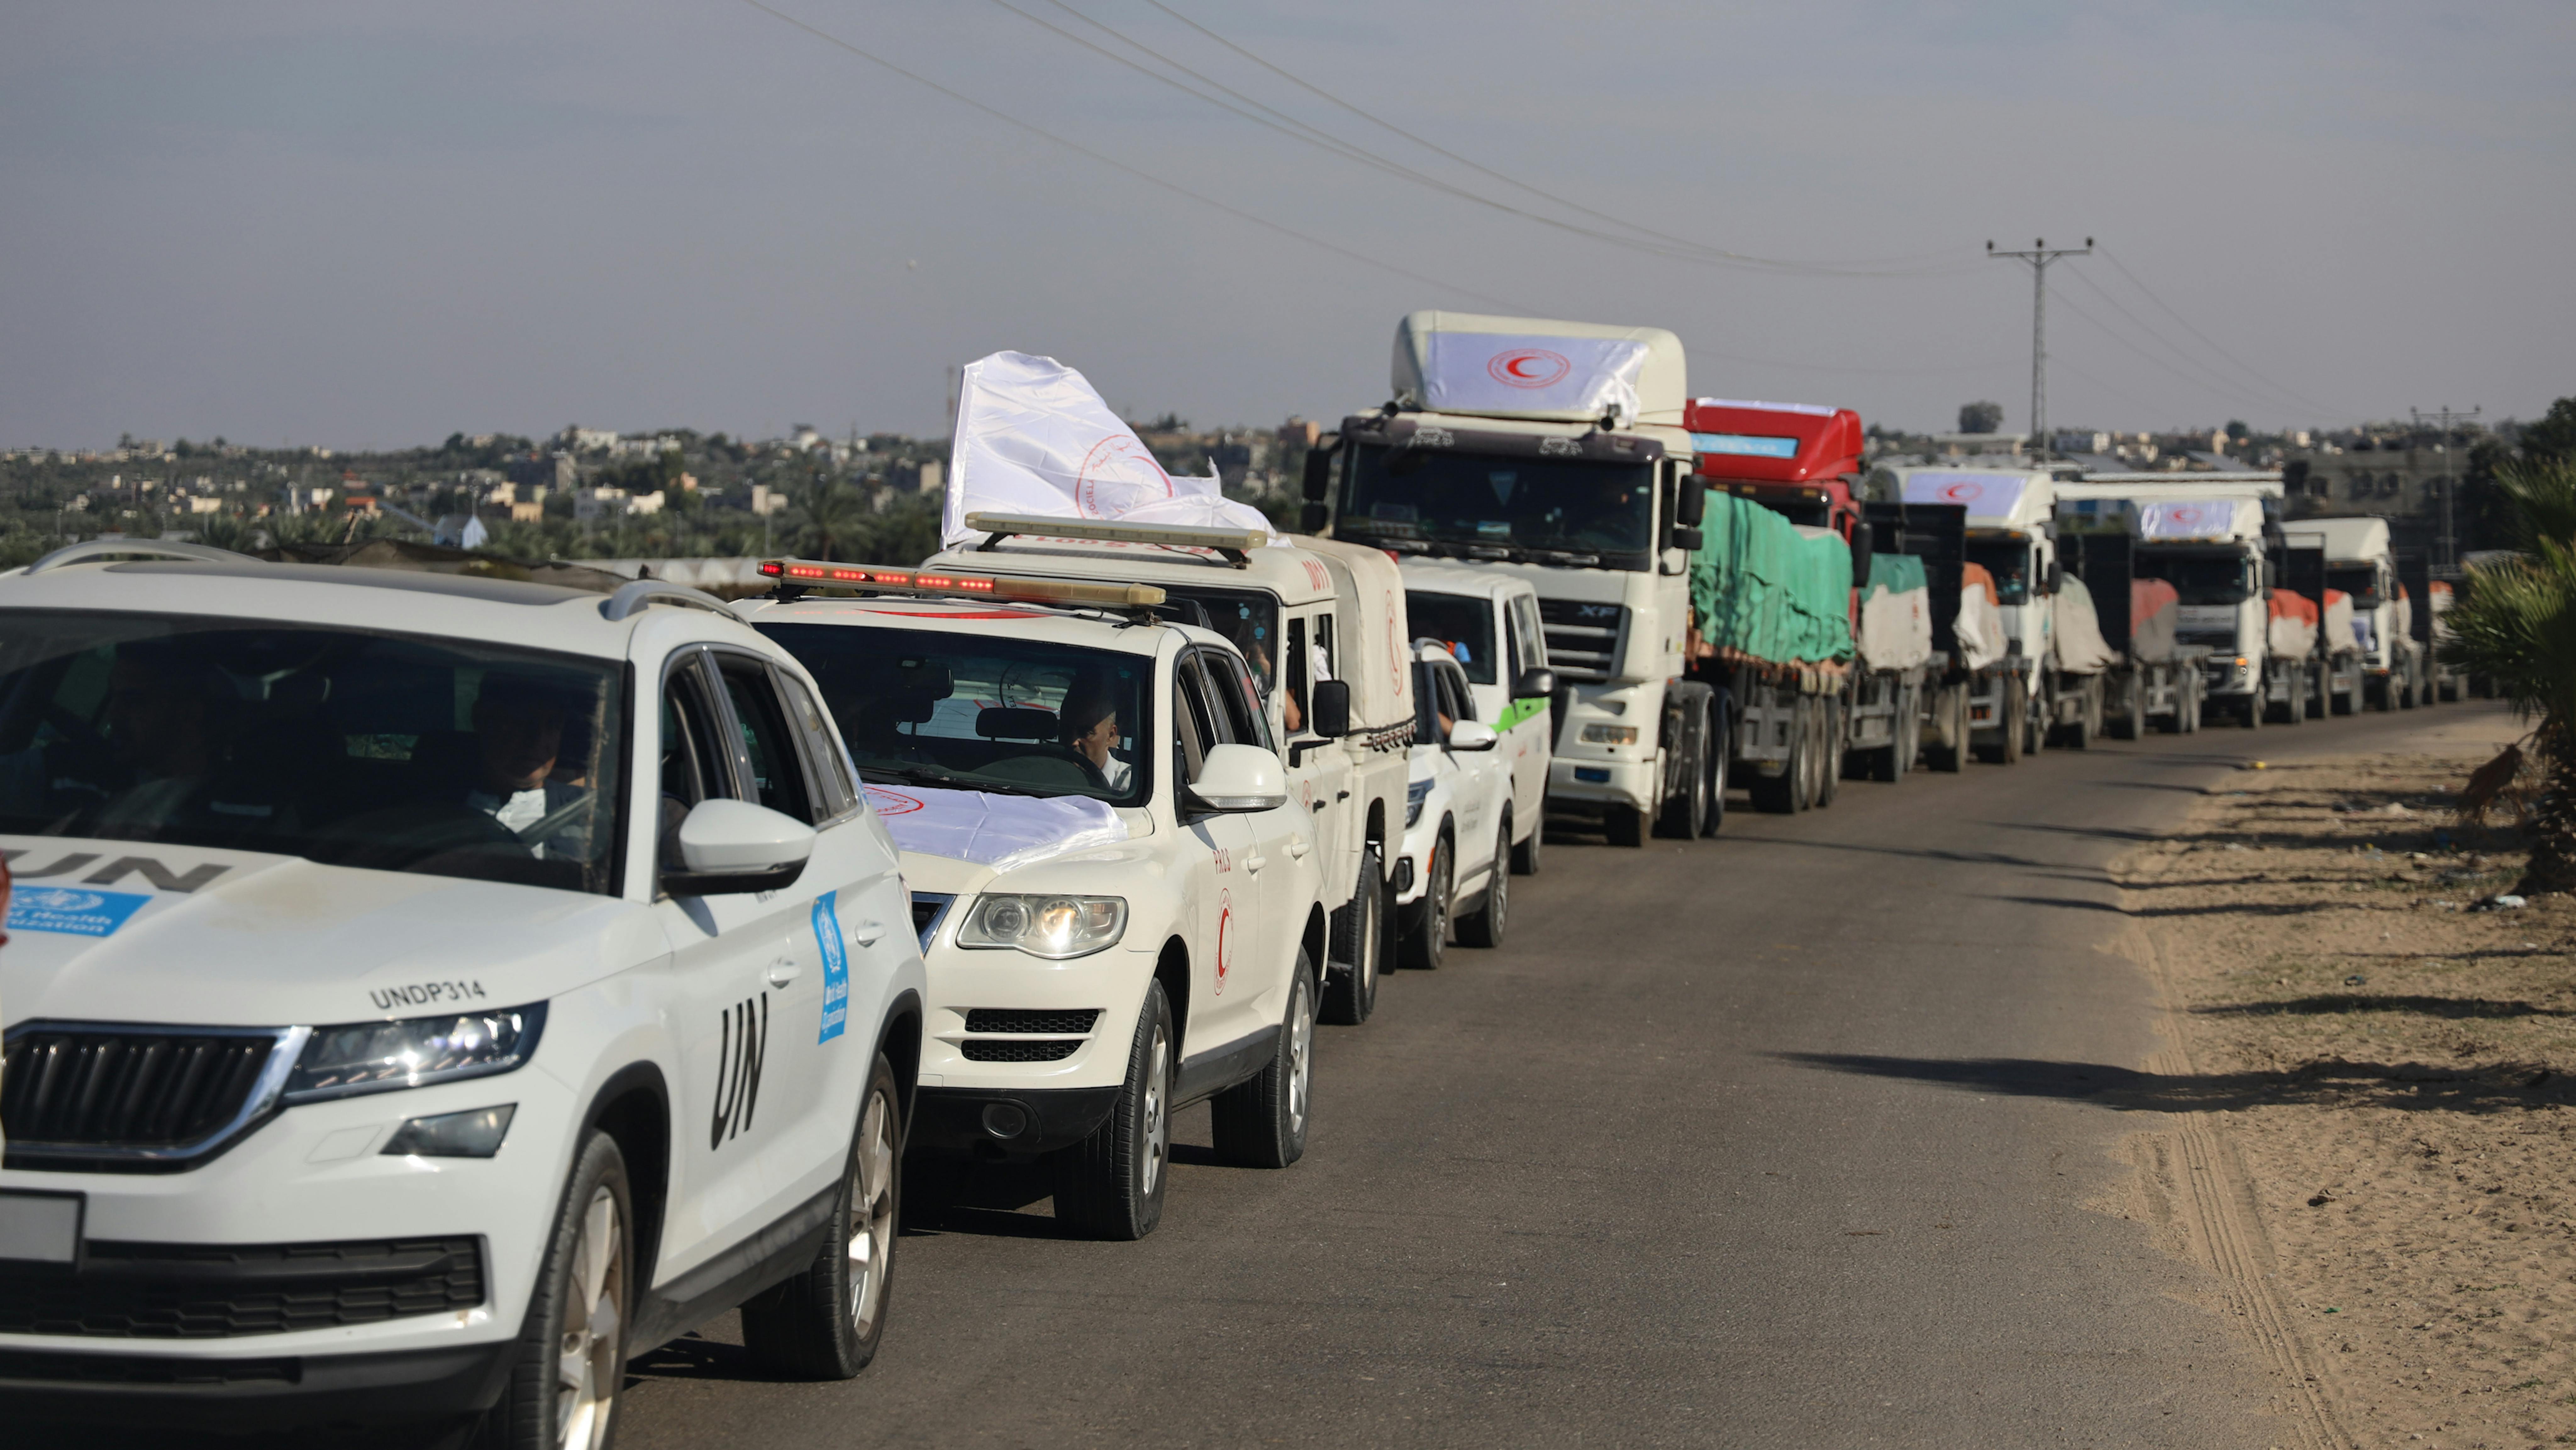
(2377, 1069)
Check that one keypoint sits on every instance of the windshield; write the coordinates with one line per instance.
(1462, 622)
(2361, 581)
(980, 711)
(2200, 577)
(1249, 617)
(341, 746)
(1551, 510)
(2009, 561)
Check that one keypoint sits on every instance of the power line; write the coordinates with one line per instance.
(2259, 387)
(2038, 256)
(2143, 290)
(2230, 394)
(1120, 166)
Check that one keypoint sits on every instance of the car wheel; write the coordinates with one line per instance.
(1110, 1185)
(1484, 926)
(1350, 993)
(1526, 854)
(1262, 1123)
(569, 1365)
(1428, 942)
(824, 1323)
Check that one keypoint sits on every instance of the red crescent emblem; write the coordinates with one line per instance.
(1528, 367)
(1224, 928)
(891, 802)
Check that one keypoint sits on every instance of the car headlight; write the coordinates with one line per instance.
(1609, 734)
(376, 1057)
(1415, 793)
(1053, 927)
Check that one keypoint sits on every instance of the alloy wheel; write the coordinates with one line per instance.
(871, 1245)
(586, 1362)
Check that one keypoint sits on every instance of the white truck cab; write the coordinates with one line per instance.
(2361, 564)
(1115, 890)
(2012, 533)
(1489, 622)
(1457, 864)
(1322, 626)
(2209, 538)
(427, 992)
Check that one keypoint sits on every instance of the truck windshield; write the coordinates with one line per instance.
(1462, 622)
(981, 711)
(343, 746)
(1547, 510)
(2201, 576)
(1249, 617)
(2361, 581)
(2009, 561)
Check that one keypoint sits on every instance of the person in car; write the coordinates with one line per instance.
(519, 728)
(167, 715)
(1089, 726)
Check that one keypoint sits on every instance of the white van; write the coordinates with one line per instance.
(1489, 622)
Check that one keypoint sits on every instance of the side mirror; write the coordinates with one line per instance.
(1686, 539)
(2056, 575)
(1473, 735)
(1690, 503)
(1864, 543)
(1538, 682)
(1312, 518)
(1319, 474)
(730, 846)
(1329, 708)
(1240, 778)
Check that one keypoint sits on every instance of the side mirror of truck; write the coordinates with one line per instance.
(1319, 474)
(1864, 543)
(2056, 575)
(1687, 539)
(1538, 682)
(1312, 518)
(1690, 503)
(1329, 708)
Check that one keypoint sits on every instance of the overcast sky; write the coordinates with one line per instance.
(352, 223)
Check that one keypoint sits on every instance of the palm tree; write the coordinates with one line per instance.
(2518, 628)
(829, 514)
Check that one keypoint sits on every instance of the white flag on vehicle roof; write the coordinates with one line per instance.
(1484, 372)
(1033, 437)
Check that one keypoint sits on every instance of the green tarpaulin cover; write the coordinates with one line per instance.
(1760, 586)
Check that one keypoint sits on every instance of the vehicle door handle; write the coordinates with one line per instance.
(783, 971)
(1255, 863)
(868, 934)
(1298, 848)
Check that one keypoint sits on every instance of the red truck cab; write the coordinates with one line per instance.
(1799, 460)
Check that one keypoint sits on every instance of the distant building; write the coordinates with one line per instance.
(1299, 433)
(1976, 445)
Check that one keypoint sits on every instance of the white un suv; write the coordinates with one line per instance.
(426, 992)
(1116, 895)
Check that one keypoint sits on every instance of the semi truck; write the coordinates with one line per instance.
(2429, 599)
(2154, 677)
(2011, 534)
(1968, 661)
(2335, 685)
(1556, 451)
(2361, 565)
(2213, 539)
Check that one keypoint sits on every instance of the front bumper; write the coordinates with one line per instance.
(249, 1392)
(1589, 786)
(950, 1122)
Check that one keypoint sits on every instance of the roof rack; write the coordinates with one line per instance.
(89, 549)
(795, 576)
(643, 594)
(1232, 544)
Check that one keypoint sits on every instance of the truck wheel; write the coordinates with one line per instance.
(1110, 1185)
(2077, 734)
(1948, 703)
(1781, 794)
(1359, 934)
(2016, 708)
(1721, 755)
(2131, 720)
(824, 1323)
(1428, 942)
(2254, 708)
(1829, 751)
(1687, 809)
(2406, 698)
(1624, 826)
(1262, 1123)
(1483, 927)
(570, 1360)
(2341, 704)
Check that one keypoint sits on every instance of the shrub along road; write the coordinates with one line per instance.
(1698, 1157)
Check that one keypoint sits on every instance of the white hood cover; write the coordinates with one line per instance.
(1034, 438)
(2200, 518)
(1000, 831)
(1484, 372)
(1989, 496)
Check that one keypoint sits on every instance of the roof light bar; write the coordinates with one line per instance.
(1233, 543)
(822, 574)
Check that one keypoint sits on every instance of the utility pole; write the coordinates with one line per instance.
(2446, 559)
(2039, 256)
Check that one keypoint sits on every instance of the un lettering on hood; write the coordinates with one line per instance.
(1034, 437)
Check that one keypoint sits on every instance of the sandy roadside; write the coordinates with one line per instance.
(2370, 1084)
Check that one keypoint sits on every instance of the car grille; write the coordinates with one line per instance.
(1009, 1019)
(138, 1099)
(1582, 638)
(927, 909)
(223, 1291)
(1019, 1049)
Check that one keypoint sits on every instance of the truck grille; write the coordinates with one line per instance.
(132, 1099)
(1582, 638)
(223, 1291)
(1013, 1019)
(1019, 1049)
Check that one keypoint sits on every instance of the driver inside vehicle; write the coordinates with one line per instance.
(519, 732)
(166, 718)
(1090, 728)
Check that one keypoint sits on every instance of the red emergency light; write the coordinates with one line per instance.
(821, 574)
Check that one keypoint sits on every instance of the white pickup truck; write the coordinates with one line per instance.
(1115, 892)
(1322, 625)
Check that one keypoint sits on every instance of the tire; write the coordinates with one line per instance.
(1949, 701)
(825, 1323)
(2406, 695)
(2191, 707)
(1262, 1123)
(2255, 709)
(1721, 755)
(2016, 709)
(1802, 763)
(1829, 750)
(1686, 810)
(1110, 1185)
(2131, 722)
(1428, 943)
(1359, 931)
(2078, 733)
(1777, 795)
(1624, 826)
(1526, 853)
(1484, 926)
(587, 1281)
(2345, 703)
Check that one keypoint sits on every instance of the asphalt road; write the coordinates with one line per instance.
(1701, 1156)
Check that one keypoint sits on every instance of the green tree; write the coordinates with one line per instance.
(2518, 628)
(1981, 417)
(2553, 438)
(828, 515)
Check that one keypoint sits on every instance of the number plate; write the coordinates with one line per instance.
(41, 1228)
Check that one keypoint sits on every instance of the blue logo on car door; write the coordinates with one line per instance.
(836, 970)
